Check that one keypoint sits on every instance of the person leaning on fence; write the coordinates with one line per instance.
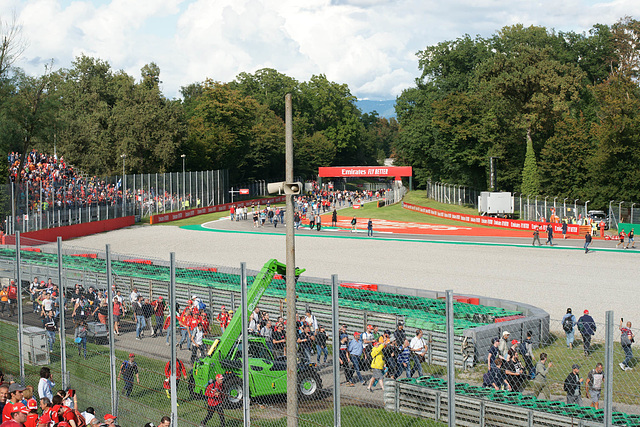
(568, 325)
(572, 386)
(593, 385)
(626, 339)
(540, 384)
(215, 395)
(587, 328)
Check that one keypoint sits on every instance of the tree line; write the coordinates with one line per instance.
(92, 114)
(559, 110)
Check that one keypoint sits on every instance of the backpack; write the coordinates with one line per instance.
(13, 292)
(567, 324)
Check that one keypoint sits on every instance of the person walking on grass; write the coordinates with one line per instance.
(626, 339)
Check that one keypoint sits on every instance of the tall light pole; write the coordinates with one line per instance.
(620, 211)
(575, 209)
(184, 194)
(585, 208)
(564, 206)
(632, 205)
(124, 186)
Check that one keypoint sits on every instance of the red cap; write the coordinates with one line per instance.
(219, 377)
(513, 342)
(160, 298)
(132, 355)
(19, 407)
(32, 404)
(357, 334)
(369, 327)
(586, 312)
(110, 417)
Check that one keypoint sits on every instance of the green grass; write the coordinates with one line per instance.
(625, 384)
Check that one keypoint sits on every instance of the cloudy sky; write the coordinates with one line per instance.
(368, 44)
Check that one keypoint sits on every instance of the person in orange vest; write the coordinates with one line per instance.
(602, 228)
(180, 371)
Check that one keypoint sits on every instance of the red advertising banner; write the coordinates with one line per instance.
(364, 171)
(491, 221)
(244, 191)
(174, 216)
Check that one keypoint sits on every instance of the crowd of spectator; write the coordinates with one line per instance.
(39, 405)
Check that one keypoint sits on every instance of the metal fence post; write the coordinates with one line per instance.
(63, 335)
(451, 374)
(335, 312)
(172, 331)
(245, 345)
(112, 345)
(19, 302)
(608, 369)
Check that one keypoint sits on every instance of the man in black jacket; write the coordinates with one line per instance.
(572, 386)
(587, 327)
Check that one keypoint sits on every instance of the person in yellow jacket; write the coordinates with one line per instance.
(377, 364)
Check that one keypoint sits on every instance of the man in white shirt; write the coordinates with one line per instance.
(418, 350)
(196, 340)
(134, 296)
(311, 320)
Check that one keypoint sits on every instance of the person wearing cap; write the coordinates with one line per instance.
(504, 343)
(494, 353)
(109, 420)
(223, 318)
(367, 341)
(32, 416)
(355, 349)
(568, 325)
(158, 311)
(215, 395)
(587, 328)
(129, 370)
(572, 386)
(17, 415)
(15, 397)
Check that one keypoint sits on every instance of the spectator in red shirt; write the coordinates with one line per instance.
(32, 417)
(223, 318)
(12, 294)
(214, 395)
(167, 373)
(18, 416)
(15, 397)
(158, 310)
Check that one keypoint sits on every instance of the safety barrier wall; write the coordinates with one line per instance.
(174, 216)
(490, 221)
(70, 231)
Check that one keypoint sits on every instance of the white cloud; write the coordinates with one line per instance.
(368, 44)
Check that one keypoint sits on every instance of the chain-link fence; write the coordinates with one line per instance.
(35, 206)
(532, 207)
(365, 353)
